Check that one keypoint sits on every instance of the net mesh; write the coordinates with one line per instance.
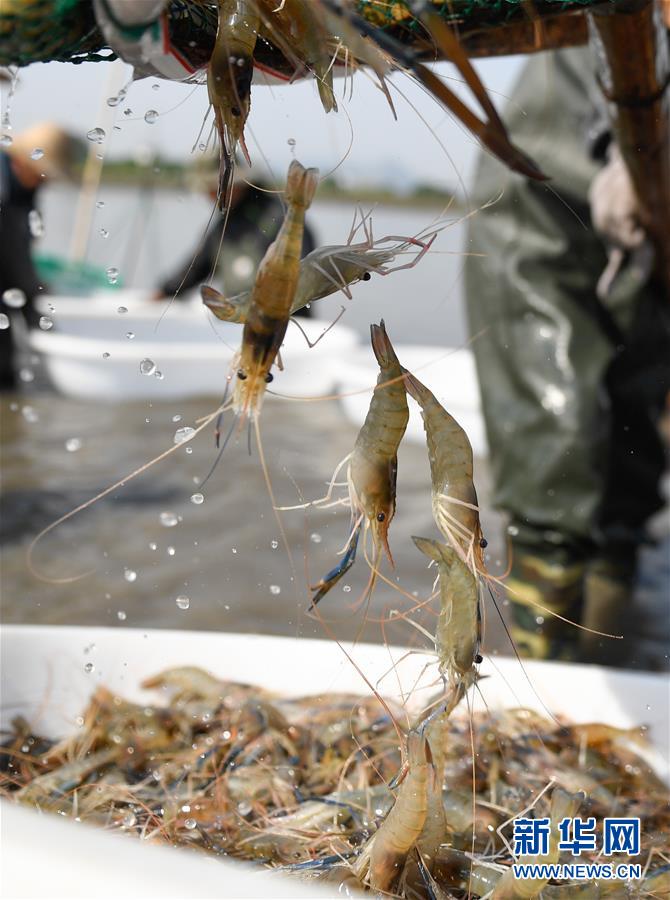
(66, 30)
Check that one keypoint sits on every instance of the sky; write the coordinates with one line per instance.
(362, 141)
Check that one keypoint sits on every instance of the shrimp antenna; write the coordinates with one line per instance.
(519, 660)
(219, 454)
(113, 487)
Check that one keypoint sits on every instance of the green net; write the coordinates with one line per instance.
(76, 279)
(66, 30)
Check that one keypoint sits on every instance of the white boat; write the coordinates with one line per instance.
(450, 374)
(48, 674)
(149, 350)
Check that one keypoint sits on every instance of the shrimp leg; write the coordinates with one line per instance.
(330, 580)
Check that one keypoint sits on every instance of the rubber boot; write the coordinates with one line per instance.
(544, 579)
(608, 600)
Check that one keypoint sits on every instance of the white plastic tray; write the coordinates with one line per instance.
(43, 678)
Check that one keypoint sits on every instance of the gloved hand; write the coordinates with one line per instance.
(615, 216)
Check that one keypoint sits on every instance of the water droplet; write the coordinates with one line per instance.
(35, 224)
(127, 111)
(150, 116)
(190, 824)
(153, 545)
(197, 499)
(130, 335)
(96, 135)
(45, 323)
(112, 274)
(315, 538)
(275, 589)
(37, 153)
(99, 204)
(6, 140)
(105, 234)
(73, 444)
(183, 602)
(168, 519)
(130, 575)
(14, 298)
(176, 418)
(106, 355)
(155, 87)
(121, 615)
(89, 667)
(188, 449)
(183, 434)
(129, 819)
(159, 375)
(26, 375)
(147, 366)
(346, 588)
(291, 142)
(113, 101)
(4, 321)
(244, 808)
(274, 544)
(171, 551)
(122, 310)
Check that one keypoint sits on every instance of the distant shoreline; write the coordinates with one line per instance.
(171, 176)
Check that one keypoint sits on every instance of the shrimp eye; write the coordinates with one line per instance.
(479, 658)
(269, 377)
(366, 276)
(235, 111)
(381, 517)
(483, 543)
(241, 375)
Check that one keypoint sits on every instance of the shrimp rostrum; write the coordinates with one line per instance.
(372, 466)
(331, 268)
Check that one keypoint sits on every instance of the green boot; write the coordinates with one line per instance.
(608, 598)
(542, 580)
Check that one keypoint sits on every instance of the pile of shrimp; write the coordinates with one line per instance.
(324, 787)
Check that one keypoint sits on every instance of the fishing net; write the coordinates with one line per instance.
(67, 31)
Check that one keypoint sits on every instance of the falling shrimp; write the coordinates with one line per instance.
(381, 860)
(229, 77)
(272, 296)
(328, 269)
(373, 463)
(454, 498)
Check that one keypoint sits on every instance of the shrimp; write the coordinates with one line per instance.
(383, 856)
(458, 634)
(326, 270)
(373, 463)
(60, 781)
(229, 77)
(272, 296)
(562, 805)
(454, 498)
(298, 27)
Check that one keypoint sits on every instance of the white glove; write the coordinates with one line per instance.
(614, 208)
(614, 214)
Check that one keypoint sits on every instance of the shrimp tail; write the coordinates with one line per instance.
(301, 185)
(435, 550)
(382, 347)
